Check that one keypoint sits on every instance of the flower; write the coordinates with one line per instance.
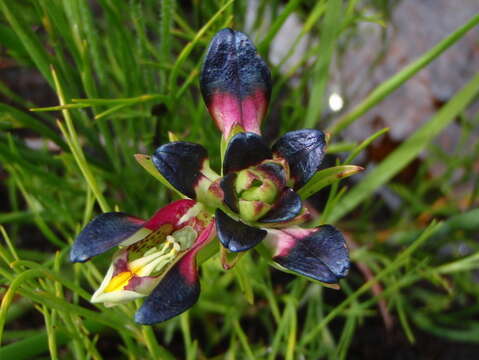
(156, 258)
(254, 202)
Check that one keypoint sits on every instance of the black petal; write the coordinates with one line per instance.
(235, 235)
(322, 255)
(173, 295)
(103, 233)
(228, 186)
(288, 206)
(304, 151)
(181, 163)
(244, 150)
(233, 65)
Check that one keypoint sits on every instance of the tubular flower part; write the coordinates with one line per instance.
(253, 201)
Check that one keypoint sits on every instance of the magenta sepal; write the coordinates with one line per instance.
(170, 214)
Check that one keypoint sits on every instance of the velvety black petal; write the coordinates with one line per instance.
(235, 82)
(103, 233)
(322, 255)
(175, 294)
(304, 151)
(244, 150)
(235, 235)
(181, 163)
(228, 186)
(287, 207)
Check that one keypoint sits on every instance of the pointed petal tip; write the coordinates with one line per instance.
(141, 156)
(351, 170)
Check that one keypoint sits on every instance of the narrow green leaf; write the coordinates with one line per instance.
(28, 39)
(19, 118)
(32, 346)
(243, 340)
(393, 266)
(330, 30)
(244, 281)
(407, 151)
(364, 144)
(276, 26)
(327, 177)
(401, 77)
(147, 164)
(189, 47)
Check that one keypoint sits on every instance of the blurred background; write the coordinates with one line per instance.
(85, 85)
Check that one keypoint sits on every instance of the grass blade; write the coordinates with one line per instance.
(330, 30)
(407, 151)
(401, 77)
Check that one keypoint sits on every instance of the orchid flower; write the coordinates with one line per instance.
(252, 202)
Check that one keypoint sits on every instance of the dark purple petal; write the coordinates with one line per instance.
(235, 235)
(320, 254)
(304, 151)
(245, 150)
(181, 163)
(235, 82)
(174, 294)
(103, 233)
(288, 206)
(228, 187)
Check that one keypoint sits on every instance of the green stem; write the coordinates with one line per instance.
(72, 140)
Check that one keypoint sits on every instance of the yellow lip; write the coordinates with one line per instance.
(119, 281)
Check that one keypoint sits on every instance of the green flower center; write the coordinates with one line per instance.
(256, 191)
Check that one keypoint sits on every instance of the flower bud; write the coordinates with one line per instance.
(235, 83)
(252, 185)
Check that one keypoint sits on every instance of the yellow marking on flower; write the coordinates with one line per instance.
(153, 259)
(119, 281)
